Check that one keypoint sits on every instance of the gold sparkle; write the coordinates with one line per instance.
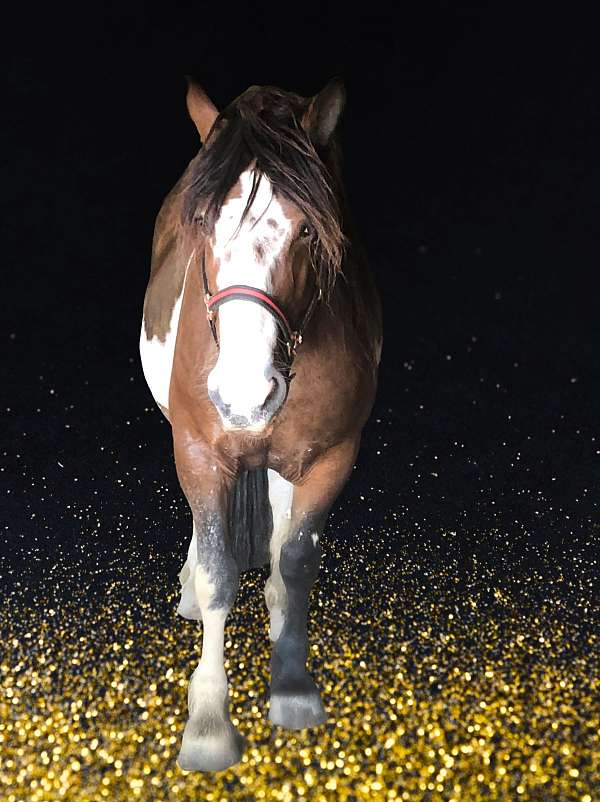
(495, 700)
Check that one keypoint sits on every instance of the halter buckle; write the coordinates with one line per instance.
(210, 313)
(294, 342)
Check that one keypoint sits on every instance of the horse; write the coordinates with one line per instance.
(260, 342)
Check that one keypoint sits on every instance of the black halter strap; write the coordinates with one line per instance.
(292, 338)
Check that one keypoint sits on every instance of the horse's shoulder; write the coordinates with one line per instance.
(168, 264)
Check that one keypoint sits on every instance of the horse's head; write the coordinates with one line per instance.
(264, 210)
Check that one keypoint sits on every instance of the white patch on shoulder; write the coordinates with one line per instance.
(247, 254)
(157, 356)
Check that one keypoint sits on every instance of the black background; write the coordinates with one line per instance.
(470, 140)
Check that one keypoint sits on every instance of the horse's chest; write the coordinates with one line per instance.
(292, 458)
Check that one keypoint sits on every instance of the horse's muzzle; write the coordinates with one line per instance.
(258, 416)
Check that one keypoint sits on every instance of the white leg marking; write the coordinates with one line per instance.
(210, 742)
(157, 356)
(281, 495)
(188, 603)
(208, 685)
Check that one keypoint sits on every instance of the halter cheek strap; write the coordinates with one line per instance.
(292, 338)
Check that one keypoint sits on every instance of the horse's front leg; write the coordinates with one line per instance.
(210, 741)
(299, 515)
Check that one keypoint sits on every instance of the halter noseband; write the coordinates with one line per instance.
(292, 338)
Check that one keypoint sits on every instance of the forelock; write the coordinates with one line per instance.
(264, 126)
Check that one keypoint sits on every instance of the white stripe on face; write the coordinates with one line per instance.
(247, 254)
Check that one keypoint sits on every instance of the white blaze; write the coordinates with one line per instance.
(247, 254)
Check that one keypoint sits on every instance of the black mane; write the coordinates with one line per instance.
(264, 125)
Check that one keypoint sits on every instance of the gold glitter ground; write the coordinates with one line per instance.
(437, 687)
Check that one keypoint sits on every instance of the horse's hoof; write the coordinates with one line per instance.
(297, 705)
(214, 751)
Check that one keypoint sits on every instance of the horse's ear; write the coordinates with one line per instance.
(200, 108)
(323, 112)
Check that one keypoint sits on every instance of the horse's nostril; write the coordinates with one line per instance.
(272, 392)
(276, 395)
(215, 397)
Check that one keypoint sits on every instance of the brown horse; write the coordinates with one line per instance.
(267, 398)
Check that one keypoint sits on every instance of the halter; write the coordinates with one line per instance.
(292, 338)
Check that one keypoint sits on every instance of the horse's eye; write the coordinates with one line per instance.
(304, 231)
(199, 219)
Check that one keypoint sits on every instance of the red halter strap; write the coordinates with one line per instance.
(242, 291)
(292, 337)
